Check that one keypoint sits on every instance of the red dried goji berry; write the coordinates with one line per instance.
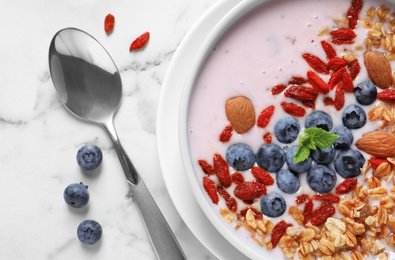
(109, 22)
(278, 232)
(237, 178)
(308, 211)
(317, 82)
(226, 134)
(316, 63)
(375, 162)
(221, 169)
(328, 101)
(301, 93)
(353, 13)
(267, 138)
(301, 199)
(140, 42)
(278, 89)
(293, 109)
(209, 187)
(354, 68)
(249, 190)
(339, 100)
(230, 202)
(387, 96)
(346, 186)
(342, 36)
(262, 176)
(329, 197)
(322, 213)
(348, 84)
(329, 50)
(337, 63)
(336, 77)
(264, 116)
(258, 215)
(297, 80)
(308, 103)
(206, 167)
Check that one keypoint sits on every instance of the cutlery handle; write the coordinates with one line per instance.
(162, 237)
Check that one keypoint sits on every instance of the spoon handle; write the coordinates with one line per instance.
(162, 237)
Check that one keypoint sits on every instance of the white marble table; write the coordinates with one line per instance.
(39, 138)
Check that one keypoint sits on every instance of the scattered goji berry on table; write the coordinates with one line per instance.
(264, 116)
(342, 36)
(278, 231)
(337, 63)
(329, 197)
(316, 63)
(297, 80)
(109, 22)
(317, 82)
(301, 199)
(346, 186)
(221, 169)
(354, 68)
(139, 42)
(267, 138)
(308, 211)
(387, 96)
(206, 167)
(329, 50)
(322, 213)
(209, 187)
(278, 89)
(293, 109)
(226, 134)
(230, 202)
(353, 13)
(262, 176)
(237, 178)
(375, 162)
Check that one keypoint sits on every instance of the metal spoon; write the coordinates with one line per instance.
(89, 85)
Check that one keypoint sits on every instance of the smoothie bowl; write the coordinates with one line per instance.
(287, 129)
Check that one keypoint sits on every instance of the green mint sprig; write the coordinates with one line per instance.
(312, 139)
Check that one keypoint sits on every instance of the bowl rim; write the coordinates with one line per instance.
(218, 31)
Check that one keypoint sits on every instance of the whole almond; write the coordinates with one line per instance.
(378, 68)
(240, 113)
(377, 143)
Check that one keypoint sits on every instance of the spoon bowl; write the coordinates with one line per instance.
(90, 87)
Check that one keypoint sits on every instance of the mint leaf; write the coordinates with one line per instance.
(313, 138)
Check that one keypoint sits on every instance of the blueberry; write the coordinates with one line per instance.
(345, 137)
(287, 181)
(89, 157)
(76, 195)
(319, 119)
(240, 157)
(321, 178)
(273, 205)
(286, 130)
(365, 92)
(89, 232)
(299, 167)
(270, 157)
(324, 156)
(354, 117)
(348, 163)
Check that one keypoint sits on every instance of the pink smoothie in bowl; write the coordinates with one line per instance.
(287, 127)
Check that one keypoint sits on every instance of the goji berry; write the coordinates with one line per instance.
(308, 103)
(230, 202)
(109, 22)
(237, 178)
(346, 186)
(354, 68)
(206, 167)
(375, 162)
(297, 80)
(293, 109)
(278, 231)
(267, 138)
(249, 190)
(301, 199)
(301, 93)
(264, 116)
(336, 63)
(262, 176)
(317, 82)
(209, 187)
(329, 197)
(342, 36)
(336, 77)
(258, 215)
(278, 89)
(353, 13)
(140, 42)
(221, 169)
(387, 96)
(322, 213)
(316, 63)
(328, 101)
(348, 84)
(226, 134)
(339, 100)
(308, 211)
(329, 50)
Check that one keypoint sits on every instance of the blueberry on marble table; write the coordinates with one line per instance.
(89, 157)
(76, 195)
(348, 163)
(319, 119)
(240, 157)
(321, 178)
(89, 232)
(286, 130)
(273, 205)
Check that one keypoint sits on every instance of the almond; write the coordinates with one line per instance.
(240, 113)
(377, 143)
(378, 68)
